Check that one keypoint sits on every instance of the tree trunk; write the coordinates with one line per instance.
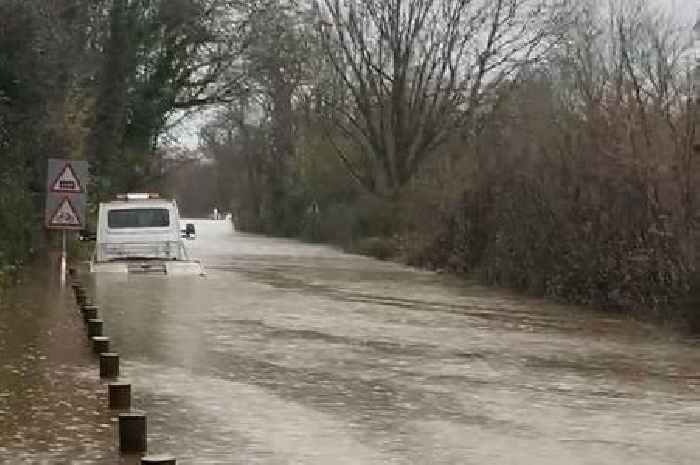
(105, 146)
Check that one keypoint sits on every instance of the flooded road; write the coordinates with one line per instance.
(287, 353)
(298, 354)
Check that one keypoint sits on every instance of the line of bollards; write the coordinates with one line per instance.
(132, 424)
(119, 395)
(109, 365)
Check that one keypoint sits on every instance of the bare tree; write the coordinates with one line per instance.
(416, 72)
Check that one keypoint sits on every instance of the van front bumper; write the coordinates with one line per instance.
(161, 267)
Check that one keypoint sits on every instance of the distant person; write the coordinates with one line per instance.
(216, 213)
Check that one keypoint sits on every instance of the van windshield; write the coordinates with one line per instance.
(138, 218)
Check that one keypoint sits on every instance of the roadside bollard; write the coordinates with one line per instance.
(109, 365)
(132, 432)
(100, 344)
(89, 311)
(158, 460)
(94, 327)
(119, 396)
(81, 296)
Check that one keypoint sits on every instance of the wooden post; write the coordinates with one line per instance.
(119, 395)
(109, 365)
(100, 344)
(94, 327)
(158, 460)
(132, 432)
(81, 296)
(89, 311)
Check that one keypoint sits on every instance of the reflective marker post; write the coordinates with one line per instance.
(64, 257)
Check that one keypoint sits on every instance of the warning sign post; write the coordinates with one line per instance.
(65, 216)
(66, 200)
(67, 182)
(66, 196)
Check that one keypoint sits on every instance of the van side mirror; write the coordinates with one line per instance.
(87, 236)
(189, 232)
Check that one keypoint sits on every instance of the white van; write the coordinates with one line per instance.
(140, 233)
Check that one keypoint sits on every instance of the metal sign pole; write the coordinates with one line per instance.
(63, 259)
(66, 201)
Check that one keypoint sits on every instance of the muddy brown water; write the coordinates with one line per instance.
(52, 406)
(289, 353)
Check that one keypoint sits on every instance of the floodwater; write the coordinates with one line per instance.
(288, 353)
(52, 406)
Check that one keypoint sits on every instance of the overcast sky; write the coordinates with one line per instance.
(684, 11)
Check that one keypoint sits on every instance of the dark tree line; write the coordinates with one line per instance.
(547, 145)
(100, 80)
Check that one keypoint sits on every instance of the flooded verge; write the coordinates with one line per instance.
(295, 353)
(52, 406)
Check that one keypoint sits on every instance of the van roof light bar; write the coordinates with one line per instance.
(138, 196)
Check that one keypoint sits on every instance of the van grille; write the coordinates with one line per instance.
(147, 268)
(166, 250)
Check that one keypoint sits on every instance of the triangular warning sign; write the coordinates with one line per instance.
(65, 215)
(67, 181)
